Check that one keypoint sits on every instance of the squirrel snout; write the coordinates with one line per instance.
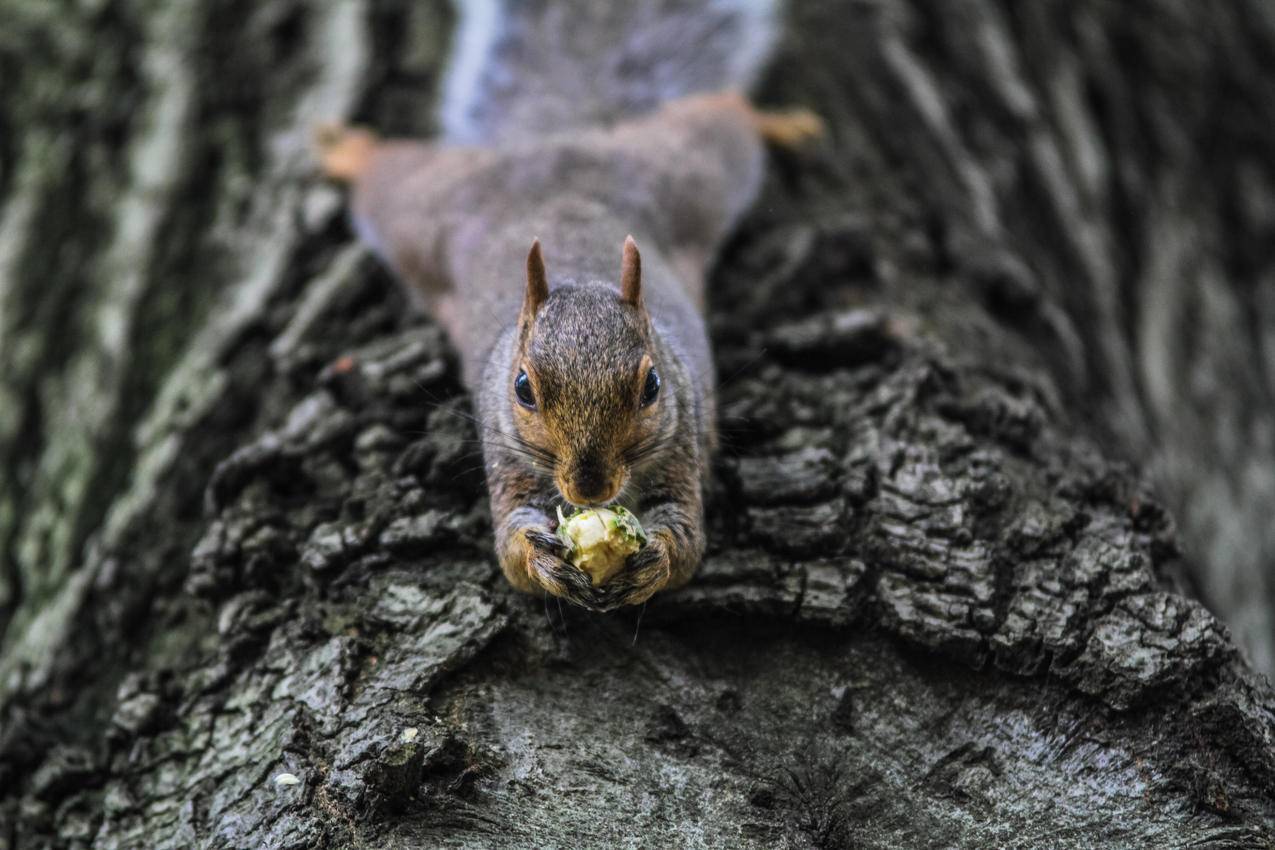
(589, 484)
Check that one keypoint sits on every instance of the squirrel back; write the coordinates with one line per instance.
(527, 68)
(456, 221)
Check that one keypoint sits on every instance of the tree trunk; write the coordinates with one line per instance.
(246, 587)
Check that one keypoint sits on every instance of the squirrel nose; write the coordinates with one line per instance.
(589, 481)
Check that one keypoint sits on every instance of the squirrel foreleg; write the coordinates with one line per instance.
(532, 558)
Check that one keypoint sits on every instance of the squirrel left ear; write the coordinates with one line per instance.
(631, 274)
(537, 283)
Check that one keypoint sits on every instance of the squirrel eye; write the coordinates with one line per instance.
(652, 387)
(522, 389)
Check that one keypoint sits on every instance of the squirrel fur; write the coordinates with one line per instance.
(587, 355)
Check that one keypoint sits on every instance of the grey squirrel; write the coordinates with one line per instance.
(588, 358)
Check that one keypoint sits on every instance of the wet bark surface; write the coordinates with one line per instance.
(248, 593)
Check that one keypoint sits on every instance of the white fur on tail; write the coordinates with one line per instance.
(530, 67)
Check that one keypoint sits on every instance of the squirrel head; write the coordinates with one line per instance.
(585, 384)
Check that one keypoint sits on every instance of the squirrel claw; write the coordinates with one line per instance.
(548, 569)
(546, 542)
(647, 573)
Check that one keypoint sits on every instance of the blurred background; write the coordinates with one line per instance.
(1098, 175)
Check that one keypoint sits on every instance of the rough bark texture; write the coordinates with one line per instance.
(242, 525)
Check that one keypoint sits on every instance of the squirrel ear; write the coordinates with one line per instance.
(631, 274)
(537, 283)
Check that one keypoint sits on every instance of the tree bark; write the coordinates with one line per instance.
(247, 593)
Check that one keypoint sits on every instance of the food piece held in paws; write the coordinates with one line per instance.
(600, 540)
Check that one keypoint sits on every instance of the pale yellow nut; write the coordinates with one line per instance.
(600, 540)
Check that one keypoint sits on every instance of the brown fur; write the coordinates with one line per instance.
(456, 222)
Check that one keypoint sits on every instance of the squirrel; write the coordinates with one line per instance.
(588, 358)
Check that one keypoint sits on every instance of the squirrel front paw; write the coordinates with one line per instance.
(647, 572)
(544, 565)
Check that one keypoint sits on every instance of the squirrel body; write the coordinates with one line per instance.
(592, 377)
(588, 332)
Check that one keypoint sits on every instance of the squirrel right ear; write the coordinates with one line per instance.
(631, 274)
(537, 283)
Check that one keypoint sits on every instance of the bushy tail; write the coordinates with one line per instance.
(530, 67)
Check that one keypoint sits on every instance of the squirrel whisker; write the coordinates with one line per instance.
(516, 444)
(648, 447)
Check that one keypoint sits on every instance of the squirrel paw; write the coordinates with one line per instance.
(647, 573)
(789, 129)
(547, 569)
(344, 152)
